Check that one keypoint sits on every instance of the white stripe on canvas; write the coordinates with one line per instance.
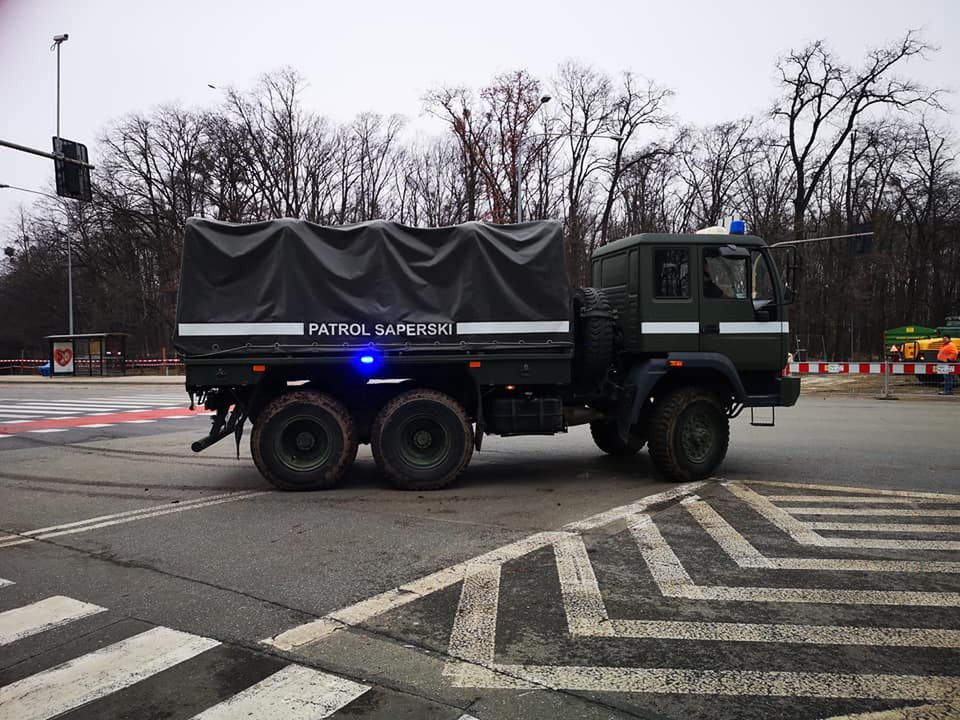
(753, 328)
(507, 328)
(294, 693)
(670, 328)
(94, 675)
(43, 615)
(238, 329)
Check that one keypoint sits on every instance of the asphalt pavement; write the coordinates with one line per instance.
(816, 577)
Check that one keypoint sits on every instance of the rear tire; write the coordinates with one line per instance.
(607, 438)
(689, 434)
(422, 440)
(304, 440)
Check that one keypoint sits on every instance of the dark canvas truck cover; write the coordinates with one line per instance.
(293, 286)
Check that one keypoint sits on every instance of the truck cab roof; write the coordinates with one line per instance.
(679, 239)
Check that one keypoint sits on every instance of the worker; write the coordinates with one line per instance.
(947, 354)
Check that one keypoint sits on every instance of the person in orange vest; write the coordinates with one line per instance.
(947, 354)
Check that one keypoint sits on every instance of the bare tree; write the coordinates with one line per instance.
(823, 100)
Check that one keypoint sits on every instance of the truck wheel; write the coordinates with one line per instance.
(689, 434)
(607, 438)
(304, 440)
(593, 324)
(422, 440)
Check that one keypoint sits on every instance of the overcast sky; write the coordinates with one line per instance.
(382, 55)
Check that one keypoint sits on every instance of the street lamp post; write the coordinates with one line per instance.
(548, 135)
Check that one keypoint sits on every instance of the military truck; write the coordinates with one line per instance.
(421, 342)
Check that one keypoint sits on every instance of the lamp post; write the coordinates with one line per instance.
(58, 40)
(550, 135)
(543, 101)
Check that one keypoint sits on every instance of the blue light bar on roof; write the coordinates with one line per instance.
(738, 227)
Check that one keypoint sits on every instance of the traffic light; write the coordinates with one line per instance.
(73, 180)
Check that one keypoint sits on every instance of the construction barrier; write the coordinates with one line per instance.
(873, 368)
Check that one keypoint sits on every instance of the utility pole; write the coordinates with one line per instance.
(58, 40)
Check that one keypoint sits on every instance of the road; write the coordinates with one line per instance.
(818, 577)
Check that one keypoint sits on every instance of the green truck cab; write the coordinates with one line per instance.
(422, 341)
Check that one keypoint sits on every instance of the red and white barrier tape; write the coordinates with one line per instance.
(873, 368)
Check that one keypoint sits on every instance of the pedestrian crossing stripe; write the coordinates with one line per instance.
(295, 692)
(43, 615)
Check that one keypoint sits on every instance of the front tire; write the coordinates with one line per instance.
(422, 440)
(304, 440)
(689, 434)
(607, 438)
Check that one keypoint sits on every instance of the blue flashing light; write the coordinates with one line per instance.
(367, 359)
(738, 227)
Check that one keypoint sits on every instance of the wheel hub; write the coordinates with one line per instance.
(305, 441)
(422, 439)
(696, 437)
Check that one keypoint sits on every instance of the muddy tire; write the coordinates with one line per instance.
(607, 438)
(422, 440)
(689, 434)
(593, 325)
(304, 440)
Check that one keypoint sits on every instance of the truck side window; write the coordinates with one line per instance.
(762, 287)
(724, 277)
(671, 273)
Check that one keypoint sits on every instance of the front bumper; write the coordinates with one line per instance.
(789, 391)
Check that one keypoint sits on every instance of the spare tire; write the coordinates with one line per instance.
(593, 327)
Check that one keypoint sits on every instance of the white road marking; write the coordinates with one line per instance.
(96, 425)
(43, 615)
(362, 611)
(624, 511)
(885, 527)
(5, 436)
(801, 532)
(879, 512)
(136, 422)
(674, 581)
(294, 693)
(677, 681)
(914, 712)
(742, 552)
(474, 631)
(48, 430)
(125, 517)
(842, 499)
(65, 417)
(397, 597)
(850, 489)
(4, 583)
(96, 674)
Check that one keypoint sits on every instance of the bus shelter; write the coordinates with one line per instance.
(90, 354)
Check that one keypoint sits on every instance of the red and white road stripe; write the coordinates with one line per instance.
(98, 421)
(873, 368)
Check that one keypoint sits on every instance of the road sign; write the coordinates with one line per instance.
(73, 179)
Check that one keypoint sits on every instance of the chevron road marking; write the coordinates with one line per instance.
(293, 693)
(801, 532)
(852, 489)
(679, 681)
(842, 499)
(742, 552)
(915, 712)
(674, 581)
(92, 676)
(125, 517)
(322, 627)
(37, 617)
(884, 527)
(899, 512)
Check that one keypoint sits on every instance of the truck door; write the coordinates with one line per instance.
(738, 308)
